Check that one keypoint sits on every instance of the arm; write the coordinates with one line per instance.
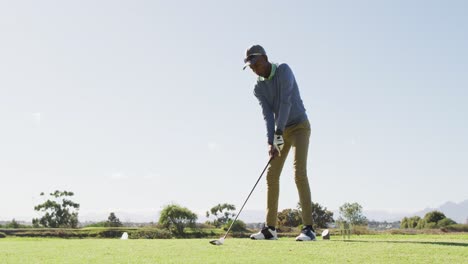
(267, 116)
(286, 88)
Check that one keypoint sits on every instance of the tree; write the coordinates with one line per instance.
(321, 216)
(13, 224)
(413, 221)
(176, 218)
(113, 221)
(446, 222)
(238, 226)
(289, 217)
(404, 223)
(59, 212)
(421, 224)
(293, 217)
(222, 213)
(434, 217)
(352, 213)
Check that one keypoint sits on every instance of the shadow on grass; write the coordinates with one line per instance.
(457, 244)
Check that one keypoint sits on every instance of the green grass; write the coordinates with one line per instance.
(450, 248)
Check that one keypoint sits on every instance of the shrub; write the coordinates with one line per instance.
(196, 234)
(13, 224)
(402, 232)
(430, 225)
(456, 228)
(404, 223)
(421, 224)
(361, 230)
(446, 222)
(150, 234)
(238, 226)
(50, 233)
(110, 233)
(413, 221)
(205, 225)
(2, 235)
(289, 218)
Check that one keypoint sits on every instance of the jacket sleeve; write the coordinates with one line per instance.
(267, 115)
(286, 82)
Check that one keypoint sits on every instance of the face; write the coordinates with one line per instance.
(259, 66)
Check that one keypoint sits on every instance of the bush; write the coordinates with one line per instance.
(431, 225)
(2, 235)
(402, 231)
(49, 233)
(69, 233)
(413, 221)
(196, 234)
(289, 218)
(404, 223)
(111, 233)
(150, 234)
(361, 230)
(456, 228)
(206, 225)
(421, 224)
(238, 226)
(446, 222)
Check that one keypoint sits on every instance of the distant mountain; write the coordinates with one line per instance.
(382, 215)
(457, 212)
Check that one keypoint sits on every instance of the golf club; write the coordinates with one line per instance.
(220, 241)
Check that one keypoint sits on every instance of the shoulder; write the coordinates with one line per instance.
(284, 67)
(285, 72)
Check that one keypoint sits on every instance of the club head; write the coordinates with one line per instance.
(217, 242)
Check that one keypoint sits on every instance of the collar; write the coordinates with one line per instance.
(272, 73)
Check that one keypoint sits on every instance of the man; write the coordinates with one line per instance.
(278, 94)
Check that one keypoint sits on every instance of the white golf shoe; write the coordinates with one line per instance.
(265, 233)
(307, 234)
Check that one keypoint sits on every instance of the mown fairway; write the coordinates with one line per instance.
(359, 249)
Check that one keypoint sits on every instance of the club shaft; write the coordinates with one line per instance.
(229, 229)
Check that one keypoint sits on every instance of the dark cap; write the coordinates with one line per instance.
(252, 54)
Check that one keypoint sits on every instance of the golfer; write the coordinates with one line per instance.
(287, 128)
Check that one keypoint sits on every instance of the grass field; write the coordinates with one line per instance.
(450, 248)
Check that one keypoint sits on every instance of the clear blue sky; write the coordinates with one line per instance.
(136, 104)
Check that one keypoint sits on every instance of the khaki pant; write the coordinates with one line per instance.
(297, 137)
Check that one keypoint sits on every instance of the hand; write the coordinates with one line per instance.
(278, 143)
(272, 151)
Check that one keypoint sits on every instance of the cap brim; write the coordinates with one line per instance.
(250, 62)
(247, 64)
